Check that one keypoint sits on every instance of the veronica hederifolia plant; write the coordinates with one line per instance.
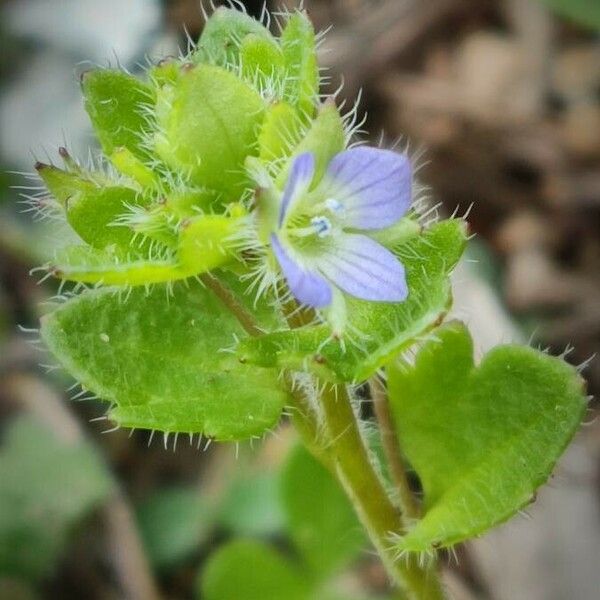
(240, 253)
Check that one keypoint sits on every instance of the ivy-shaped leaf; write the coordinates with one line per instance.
(161, 360)
(377, 331)
(482, 439)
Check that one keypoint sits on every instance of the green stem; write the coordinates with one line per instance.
(369, 498)
(307, 424)
(340, 446)
(391, 448)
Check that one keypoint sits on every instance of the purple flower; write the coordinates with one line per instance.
(322, 237)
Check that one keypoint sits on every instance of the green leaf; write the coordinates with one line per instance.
(299, 51)
(584, 12)
(321, 520)
(264, 311)
(204, 243)
(47, 486)
(325, 138)
(116, 102)
(249, 570)
(93, 214)
(261, 60)
(223, 34)
(173, 523)
(191, 202)
(165, 72)
(211, 127)
(377, 331)
(93, 204)
(160, 358)
(63, 184)
(280, 129)
(131, 166)
(252, 505)
(482, 439)
(108, 267)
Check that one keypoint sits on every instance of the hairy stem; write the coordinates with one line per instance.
(342, 449)
(391, 448)
(364, 488)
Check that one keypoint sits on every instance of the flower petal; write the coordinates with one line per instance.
(363, 268)
(299, 179)
(307, 287)
(371, 185)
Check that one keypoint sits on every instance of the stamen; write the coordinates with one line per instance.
(333, 205)
(322, 226)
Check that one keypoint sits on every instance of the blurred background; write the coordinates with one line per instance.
(501, 98)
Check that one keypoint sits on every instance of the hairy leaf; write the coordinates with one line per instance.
(161, 360)
(109, 267)
(324, 138)
(299, 50)
(261, 60)
(204, 243)
(279, 132)
(94, 215)
(116, 103)
(211, 125)
(482, 439)
(63, 184)
(131, 166)
(223, 33)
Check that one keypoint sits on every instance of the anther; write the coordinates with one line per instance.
(333, 205)
(321, 225)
